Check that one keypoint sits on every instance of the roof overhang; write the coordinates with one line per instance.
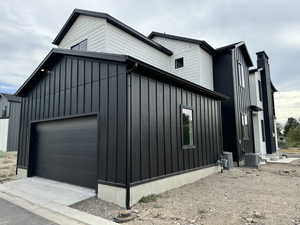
(10, 97)
(253, 70)
(77, 12)
(140, 65)
(203, 44)
(255, 108)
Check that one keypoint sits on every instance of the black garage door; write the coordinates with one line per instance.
(66, 150)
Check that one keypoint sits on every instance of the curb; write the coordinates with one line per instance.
(57, 213)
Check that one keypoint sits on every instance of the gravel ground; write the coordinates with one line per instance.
(268, 195)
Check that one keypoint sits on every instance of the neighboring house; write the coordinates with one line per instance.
(10, 108)
(112, 117)
(231, 77)
(265, 100)
(258, 115)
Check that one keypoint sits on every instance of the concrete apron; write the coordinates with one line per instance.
(50, 199)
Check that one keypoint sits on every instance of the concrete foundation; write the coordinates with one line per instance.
(21, 173)
(117, 195)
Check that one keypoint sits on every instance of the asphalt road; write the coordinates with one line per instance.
(11, 214)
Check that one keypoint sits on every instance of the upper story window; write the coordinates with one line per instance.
(241, 74)
(179, 63)
(81, 46)
(187, 127)
(259, 90)
(245, 125)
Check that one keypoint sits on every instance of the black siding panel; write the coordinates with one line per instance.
(156, 129)
(14, 126)
(75, 85)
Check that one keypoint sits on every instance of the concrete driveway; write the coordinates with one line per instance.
(43, 191)
(11, 214)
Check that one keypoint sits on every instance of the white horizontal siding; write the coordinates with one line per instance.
(254, 89)
(120, 42)
(198, 64)
(3, 134)
(86, 27)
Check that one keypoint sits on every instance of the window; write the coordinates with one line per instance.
(259, 90)
(81, 46)
(187, 127)
(245, 129)
(241, 74)
(263, 130)
(179, 63)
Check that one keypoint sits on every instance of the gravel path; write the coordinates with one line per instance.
(269, 195)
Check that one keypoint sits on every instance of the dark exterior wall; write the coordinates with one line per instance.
(14, 126)
(223, 83)
(242, 105)
(75, 86)
(155, 130)
(268, 101)
(226, 81)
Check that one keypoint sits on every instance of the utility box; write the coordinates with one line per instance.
(252, 160)
(228, 156)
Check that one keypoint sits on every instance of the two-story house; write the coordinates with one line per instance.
(116, 111)
(130, 115)
(231, 77)
(262, 96)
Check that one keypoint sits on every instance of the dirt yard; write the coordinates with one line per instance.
(269, 195)
(8, 161)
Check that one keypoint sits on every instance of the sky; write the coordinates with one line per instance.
(27, 29)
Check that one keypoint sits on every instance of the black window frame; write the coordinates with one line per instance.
(187, 146)
(177, 65)
(80, 44)
(263, 130)
(259, 90)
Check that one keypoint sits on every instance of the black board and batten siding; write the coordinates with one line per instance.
(75, 86)
(226, 81)
(138, 115)
(154, 123)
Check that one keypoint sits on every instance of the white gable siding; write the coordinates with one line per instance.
(86, 27)
(198, 64)
(120, 42)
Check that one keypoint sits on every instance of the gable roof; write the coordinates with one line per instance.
(242, 46)
(111, 20)
(203, 44)
(56, 52)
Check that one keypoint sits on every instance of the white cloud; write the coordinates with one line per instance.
(287, 104)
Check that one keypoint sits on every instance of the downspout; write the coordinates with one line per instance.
(128, 145)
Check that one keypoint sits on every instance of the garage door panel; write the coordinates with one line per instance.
(66, 150)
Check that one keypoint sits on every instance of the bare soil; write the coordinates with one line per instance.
(8, 161)
(269, 195)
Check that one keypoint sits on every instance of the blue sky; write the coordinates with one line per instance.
(27, 29)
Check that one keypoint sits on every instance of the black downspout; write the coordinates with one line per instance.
(128, 145)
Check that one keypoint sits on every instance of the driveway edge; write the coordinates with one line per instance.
(57, 213)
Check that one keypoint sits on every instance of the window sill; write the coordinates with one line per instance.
(188, 147)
